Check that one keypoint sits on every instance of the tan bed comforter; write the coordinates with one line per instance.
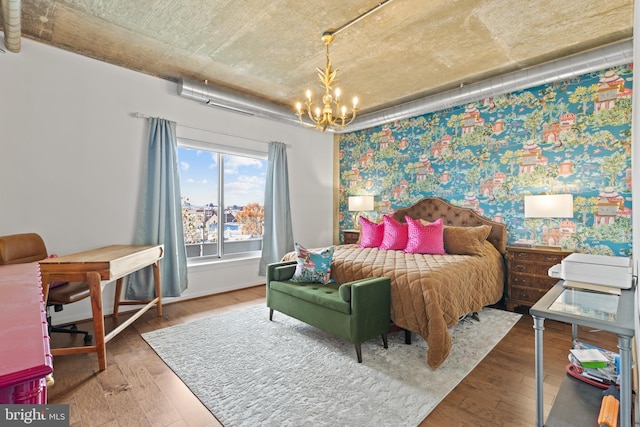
(429, 293)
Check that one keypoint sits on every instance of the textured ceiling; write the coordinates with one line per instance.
(270, 48)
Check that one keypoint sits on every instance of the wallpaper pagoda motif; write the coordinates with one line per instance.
(572, 136)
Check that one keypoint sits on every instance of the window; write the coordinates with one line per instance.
(222, 200)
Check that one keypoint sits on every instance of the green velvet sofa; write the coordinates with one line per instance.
(356, 311)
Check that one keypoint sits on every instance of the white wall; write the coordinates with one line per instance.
(71, 158)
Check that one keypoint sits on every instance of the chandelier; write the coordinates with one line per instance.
(324, 115)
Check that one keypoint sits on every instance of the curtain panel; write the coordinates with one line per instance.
(278, 231)
(160, 216)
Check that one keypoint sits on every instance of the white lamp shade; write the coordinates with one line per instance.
(549, 206)
(360, 203)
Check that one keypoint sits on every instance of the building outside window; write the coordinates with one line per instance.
(222, 193)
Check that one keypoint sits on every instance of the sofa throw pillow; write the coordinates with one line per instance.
(395, 234)
(371, 233)
(424, 237)
(314, 266)
(465, 240)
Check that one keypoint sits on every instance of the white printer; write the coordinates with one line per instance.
(613, 271)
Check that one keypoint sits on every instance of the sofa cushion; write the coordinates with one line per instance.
(325, 296)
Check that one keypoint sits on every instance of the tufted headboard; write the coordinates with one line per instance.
(432, 208)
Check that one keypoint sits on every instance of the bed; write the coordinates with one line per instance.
(430, 293)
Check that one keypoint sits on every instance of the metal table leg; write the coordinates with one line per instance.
(624, 345)
(538, 326)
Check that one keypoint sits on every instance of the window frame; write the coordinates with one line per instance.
(221, 150)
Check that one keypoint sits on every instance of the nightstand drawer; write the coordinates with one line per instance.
(536, 257)
(538, 269)
(528, 273)
(350, 236)
(544, 283)
(526, 296)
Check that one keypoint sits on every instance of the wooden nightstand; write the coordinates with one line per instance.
(528, 274)
(350, 236)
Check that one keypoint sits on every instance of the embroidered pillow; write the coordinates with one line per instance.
(313, 266)
(465, 240)
(371, 233)
(424, 238)
(395, 234)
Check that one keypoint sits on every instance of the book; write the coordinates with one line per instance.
(523, 243)
(590, 357)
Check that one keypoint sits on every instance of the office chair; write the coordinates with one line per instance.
(29, 247)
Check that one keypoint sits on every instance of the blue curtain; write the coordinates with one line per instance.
(278, 232)
(160, 216)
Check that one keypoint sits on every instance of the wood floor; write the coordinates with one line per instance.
(138, 389)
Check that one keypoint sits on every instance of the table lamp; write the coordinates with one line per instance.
(548, 206)
(358, 205)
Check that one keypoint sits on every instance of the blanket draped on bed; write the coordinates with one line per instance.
(429, 293)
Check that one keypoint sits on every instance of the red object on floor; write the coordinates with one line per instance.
(25, 356)
(575, 371)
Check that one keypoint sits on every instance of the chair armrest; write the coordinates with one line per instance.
(280, 271)
(370, 308)
(372, 294)
(345, 289)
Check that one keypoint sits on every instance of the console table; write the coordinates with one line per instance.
(621, 323)
(98, 266)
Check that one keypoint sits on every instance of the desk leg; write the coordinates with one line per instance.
(93, 278)
(157, 283)
(624, 345)
(116, 299)
(538, 326)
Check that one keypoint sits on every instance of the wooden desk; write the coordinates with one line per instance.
(104, 265)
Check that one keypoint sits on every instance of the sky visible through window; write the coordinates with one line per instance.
(244, 180)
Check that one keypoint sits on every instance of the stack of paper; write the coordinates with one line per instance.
(590, 357)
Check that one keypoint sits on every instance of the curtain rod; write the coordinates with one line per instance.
(144, 116)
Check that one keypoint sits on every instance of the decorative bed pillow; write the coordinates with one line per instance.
(371, 233)
(424, 237)
(465, 240)
(395, 234)
(313, 266)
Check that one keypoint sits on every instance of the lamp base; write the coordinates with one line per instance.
(356, 220)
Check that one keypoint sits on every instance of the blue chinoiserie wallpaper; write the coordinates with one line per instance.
(571, 136)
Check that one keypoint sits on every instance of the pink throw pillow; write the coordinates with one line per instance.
(425, 239)
(395, 234)
(371, 233)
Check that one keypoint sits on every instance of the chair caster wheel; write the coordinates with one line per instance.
(87, 339)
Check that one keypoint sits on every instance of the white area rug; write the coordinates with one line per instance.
(252, 372)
